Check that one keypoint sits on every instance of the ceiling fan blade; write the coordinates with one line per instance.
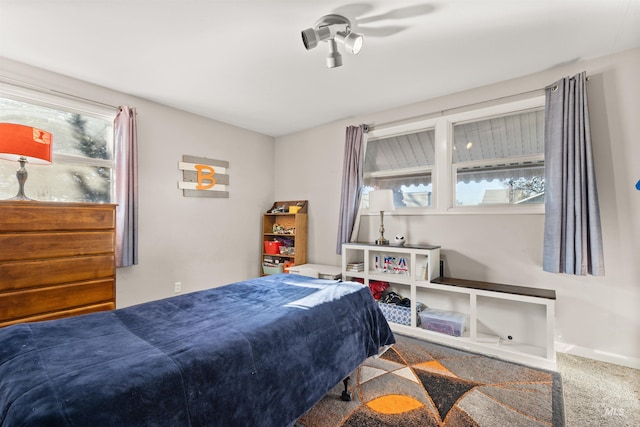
(401, 13)
(357, 12)
(352, 11)
(385, 31)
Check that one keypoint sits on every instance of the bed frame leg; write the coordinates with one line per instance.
(346, 394)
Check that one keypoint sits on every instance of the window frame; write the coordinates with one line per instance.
(485, 114)
(59, 101)
(444, 171)
(403, 129)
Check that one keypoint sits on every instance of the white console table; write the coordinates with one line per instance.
(323, 271)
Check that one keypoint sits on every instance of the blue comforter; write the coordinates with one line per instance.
(255, 353)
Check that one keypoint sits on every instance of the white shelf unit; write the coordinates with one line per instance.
(493, 310)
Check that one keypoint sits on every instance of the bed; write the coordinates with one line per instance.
(259, 352)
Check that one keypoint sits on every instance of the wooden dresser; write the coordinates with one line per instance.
(56, 260)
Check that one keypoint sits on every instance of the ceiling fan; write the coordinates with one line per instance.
(340, 27)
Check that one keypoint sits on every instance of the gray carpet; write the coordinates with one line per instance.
(599, 394)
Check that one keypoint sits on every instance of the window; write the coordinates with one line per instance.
(402, 163)
(82, 166)
(499, 160)
(482, 160)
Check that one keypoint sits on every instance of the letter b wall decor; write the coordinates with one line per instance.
(202, 177)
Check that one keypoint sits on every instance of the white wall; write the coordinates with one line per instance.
(201, 242)
(596, 317)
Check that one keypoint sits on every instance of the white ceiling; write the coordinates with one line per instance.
(243, 62)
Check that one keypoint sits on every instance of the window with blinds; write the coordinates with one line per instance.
(402, 163)
(480, 160)
(499, 160)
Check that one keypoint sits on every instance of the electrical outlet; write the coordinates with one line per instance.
(177, 287)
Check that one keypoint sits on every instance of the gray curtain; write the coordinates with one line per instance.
(572, 235)
(126, 165)
(352, 168)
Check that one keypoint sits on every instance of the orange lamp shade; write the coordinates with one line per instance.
(25, 141)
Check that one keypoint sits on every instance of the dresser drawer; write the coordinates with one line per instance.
(39, 216)
(105, 306)
(26, 246)
(14, 305)
(56, 260)
(28, 274)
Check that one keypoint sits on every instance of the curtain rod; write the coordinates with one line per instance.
(554, 87)
(447, 110)
(26, 85)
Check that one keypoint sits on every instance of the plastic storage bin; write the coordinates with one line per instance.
(272, 247)
(446, 322)
(273, 270)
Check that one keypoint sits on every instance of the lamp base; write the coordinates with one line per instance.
(382, 242)
(22, 175)
(21, 197)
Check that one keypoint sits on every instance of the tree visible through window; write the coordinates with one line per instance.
(95, 188)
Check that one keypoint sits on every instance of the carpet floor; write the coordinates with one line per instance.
(418, 383)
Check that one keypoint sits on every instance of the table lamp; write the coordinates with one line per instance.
(381, 200)
(24, 144)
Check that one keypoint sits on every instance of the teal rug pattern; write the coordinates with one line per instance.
(419, 383)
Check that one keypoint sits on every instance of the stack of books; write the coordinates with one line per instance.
(270, 262)
(355, 266)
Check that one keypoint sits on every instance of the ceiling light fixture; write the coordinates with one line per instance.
(334, 59)
(332, 29)
(351, 41)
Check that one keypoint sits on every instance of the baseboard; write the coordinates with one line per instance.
(602, 356)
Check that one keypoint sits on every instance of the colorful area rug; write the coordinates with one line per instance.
(418, 383)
